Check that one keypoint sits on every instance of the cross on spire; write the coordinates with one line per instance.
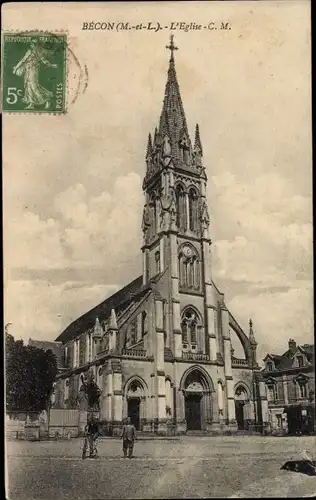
(171, 47)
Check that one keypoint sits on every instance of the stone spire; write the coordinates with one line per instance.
(197, 142)
(113, 321)
(251, 334)
(98, 331)
(149, 151)
(113, 332)
(253, 345)
(172, 120)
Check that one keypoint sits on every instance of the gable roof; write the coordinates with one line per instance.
(118, 301)
(285, 361)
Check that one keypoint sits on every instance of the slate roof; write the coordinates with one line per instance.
(285, 361)
(118, 301)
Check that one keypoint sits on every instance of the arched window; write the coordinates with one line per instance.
(190, 322)
(181, 208)
(133, 333)
(184, 328)
(157, 261)
(193, 328)
(144, 323)
(169, 398)
(220, 396)
(66, 389)
(53, 394)
(153, 216)
(193, 210)
(66, 356)
(189, 267)
(99, 376)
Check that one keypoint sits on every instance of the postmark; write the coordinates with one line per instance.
(34, 72)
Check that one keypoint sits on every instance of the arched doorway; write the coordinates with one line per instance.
(197, 389)
(135, 397)
(241, 400)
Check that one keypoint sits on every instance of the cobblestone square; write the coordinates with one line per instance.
(243, 466)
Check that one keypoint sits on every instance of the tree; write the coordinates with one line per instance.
(30, 374)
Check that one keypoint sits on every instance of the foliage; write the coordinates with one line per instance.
(30, 374)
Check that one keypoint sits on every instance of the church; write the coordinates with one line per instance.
(160, 348)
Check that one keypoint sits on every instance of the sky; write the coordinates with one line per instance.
(73, 184)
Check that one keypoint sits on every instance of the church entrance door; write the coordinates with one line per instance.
(193, 412)
(239, 408)
(133, 411)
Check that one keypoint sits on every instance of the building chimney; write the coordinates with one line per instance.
(292, 345)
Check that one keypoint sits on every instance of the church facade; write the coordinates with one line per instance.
(160, 348)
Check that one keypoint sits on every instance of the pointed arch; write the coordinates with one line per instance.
(242, 388)
(138, 382)
(169, 396)
(190, 323)
(199, 373)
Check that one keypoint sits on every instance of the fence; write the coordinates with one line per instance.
(56, 423)
(65, 423)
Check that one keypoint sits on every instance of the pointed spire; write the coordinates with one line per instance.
(155, 137)
(172, 119)
(149, 150)
(113, 321)
(251, 334)
(197, 142)
(97, 328)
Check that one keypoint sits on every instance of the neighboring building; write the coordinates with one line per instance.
(160, 348)
(290, 383)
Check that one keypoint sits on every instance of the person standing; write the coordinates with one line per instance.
(128, 436)
(91, 434)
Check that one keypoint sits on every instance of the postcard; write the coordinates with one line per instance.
(157, 173)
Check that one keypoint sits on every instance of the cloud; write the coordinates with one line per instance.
(271, 228)
(37, 309)
(73, 206)
(62, 267)
(278, 316)
(87, 231)
(265, 264)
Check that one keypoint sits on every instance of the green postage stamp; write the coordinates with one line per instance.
(34, 72)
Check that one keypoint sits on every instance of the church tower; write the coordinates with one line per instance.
(161, 348)
(175, 226)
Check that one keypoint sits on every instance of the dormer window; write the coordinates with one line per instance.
(300, 361)
(270, 366)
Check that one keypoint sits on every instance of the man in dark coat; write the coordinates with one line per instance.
(128, 436)
(91, 434)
